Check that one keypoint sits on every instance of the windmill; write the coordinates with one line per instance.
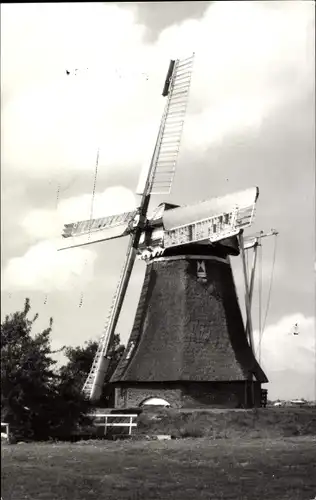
(188, 342)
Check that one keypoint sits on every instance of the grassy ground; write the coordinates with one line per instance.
(261, 423)
(203, 468)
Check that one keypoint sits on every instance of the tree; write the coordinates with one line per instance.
(36, 400)
(80, 360)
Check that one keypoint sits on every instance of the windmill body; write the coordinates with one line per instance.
(188, 343)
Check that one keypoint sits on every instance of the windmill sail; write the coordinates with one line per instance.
(162, 169)
(95, 237)
(180, 216)
(88, 226)
(85, 232)
(211, 220)
(93, 385)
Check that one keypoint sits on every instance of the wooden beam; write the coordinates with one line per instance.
(247, 295)
(252, 278)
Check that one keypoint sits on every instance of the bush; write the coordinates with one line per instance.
(37, 401)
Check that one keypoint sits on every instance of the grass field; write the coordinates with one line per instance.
(204, 468)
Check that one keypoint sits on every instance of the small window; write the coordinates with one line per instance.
(156, 402)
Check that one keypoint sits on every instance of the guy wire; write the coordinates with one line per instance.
(91, 210)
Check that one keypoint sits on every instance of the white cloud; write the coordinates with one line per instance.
(54, 121)
(281, 350)
(250, 58)
(43, 268)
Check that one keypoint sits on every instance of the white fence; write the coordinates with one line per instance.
(104, 417)
(5, 428)
(99, 420)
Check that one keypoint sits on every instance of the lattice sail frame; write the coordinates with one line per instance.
(217, 227)
(85, 232)
(103, 346)
(163, 166)
(211, 229)
(89, 226)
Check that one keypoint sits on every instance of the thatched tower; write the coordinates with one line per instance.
(188, 344)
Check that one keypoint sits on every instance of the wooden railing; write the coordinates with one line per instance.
(108, 416)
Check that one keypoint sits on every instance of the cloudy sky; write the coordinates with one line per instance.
(250, 121)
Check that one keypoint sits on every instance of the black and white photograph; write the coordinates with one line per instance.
(158, 250)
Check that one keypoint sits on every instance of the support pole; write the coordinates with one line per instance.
(248, 308)
(247, 295)
(252, 278)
